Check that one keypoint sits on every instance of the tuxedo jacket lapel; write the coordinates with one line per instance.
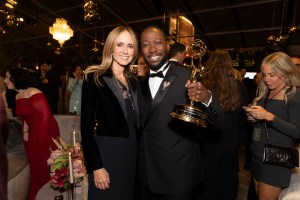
(117, 93)
(146, 90)
(163, 89)
(133, 89)
(147, 97)
(133, 85)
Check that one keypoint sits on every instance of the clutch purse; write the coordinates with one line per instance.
(281, 156)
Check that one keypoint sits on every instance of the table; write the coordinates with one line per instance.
(47, 193)
(293, 191)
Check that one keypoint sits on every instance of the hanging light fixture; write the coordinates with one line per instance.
(91, 11)
(294, 28)
(95, 41)
(11, 4)
(271, 38)
(282, 38)
(2, 31)
(8, 10)
(61, 31)
(95, 48)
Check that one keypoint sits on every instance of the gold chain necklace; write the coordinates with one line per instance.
(117, 81)
(125, 92)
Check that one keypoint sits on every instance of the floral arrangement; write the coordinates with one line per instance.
(59, 165)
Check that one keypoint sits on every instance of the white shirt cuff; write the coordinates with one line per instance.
(210, 100)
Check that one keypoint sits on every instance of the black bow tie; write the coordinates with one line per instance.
(158, 74)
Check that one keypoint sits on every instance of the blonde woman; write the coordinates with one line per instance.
(276, 112)
(110, 119)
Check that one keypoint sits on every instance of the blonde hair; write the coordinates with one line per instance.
(107, 57)
(281, 65)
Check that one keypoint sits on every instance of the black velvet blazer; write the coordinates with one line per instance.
(106, 104)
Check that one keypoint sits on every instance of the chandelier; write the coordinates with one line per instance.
(283, 38)
(61, 31)
(91, 11)
(7, 10)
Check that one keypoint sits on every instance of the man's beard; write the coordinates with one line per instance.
(159, 65)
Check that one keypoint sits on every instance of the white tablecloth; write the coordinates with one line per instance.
(293, 191)
(47, 193)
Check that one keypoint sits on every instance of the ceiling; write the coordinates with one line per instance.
(230, 24)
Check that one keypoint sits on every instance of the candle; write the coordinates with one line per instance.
(71, 169)
(74, 138)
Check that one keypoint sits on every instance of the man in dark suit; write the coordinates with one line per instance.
(177, 52)
(50, 85)
(170, 162)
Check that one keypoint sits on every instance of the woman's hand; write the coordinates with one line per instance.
(75, 75)
(25, 136)
(101, 179)
(249, 117)
(25, 132)
(257, 113)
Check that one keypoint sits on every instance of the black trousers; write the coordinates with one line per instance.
(146, 194)
(221, 178)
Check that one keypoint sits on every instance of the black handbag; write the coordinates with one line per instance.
(280, 156)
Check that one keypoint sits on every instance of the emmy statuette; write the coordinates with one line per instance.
(189, 113)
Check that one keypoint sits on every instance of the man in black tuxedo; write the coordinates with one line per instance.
(50, 85)
(177, 52)
(170, 162)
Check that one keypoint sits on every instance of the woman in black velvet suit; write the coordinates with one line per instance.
(220, 147)
(110, 119)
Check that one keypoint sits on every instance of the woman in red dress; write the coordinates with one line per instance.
(38, 125)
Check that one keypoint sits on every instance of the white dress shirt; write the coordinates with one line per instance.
(154, 82)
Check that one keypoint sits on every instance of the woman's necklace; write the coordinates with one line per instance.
(268, 99)
(119, 83)
(122, 87)
(277, 92)
(125, 92)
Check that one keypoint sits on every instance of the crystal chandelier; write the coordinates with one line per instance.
(91, 11)
(61, 31)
